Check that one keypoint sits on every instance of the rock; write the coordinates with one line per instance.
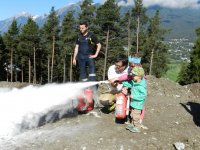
(179, 146)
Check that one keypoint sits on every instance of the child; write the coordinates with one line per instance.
(133, 61)
(136, 61)
(138, 96)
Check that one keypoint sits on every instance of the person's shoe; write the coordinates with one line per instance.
(134, 130)
(144, 127)
(129, 126)
(127, 122)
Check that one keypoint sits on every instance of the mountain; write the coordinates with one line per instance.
(182, 22)
(23, 17)
(21, 20)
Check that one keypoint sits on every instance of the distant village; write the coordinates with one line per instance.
(180, 49)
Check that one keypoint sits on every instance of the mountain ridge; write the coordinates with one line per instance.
(183, 22)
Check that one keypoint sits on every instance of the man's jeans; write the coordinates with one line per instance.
(83, 64)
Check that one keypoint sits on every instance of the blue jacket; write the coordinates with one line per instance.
(138, 93)
(86, 44)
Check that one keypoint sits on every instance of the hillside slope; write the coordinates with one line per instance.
(172, 115)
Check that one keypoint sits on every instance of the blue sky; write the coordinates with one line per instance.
(9, 8)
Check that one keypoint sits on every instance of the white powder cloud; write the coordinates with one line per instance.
(24, 108)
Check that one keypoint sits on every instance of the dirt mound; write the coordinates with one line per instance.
(4, 84)
(172, 116)
(195, 89)
(167, 88)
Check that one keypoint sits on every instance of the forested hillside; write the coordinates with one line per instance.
(42, 54)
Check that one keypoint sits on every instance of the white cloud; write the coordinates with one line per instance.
(172, 3)
(164, 3)
(35, 17)
(123, 3)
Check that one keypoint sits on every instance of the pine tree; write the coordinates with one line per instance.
(11, 41)
(194, 66)
(127, 31)
(183, 78)
(191, 73)
(193, 69)
(195, 60)
(155, 54)
(28, 49)
(3, 58)
(108, 19)
(50, 32)
(67, 40)
(87, 12)
(139, 22)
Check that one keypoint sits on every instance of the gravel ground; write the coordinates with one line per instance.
(172, 115)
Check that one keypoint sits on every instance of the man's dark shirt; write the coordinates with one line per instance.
(87, 45)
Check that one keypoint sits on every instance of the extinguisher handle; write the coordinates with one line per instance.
(129, 91)
(128, 105)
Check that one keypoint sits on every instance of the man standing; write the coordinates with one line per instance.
(86, 50)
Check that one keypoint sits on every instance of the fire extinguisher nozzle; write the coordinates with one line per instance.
(106, 81)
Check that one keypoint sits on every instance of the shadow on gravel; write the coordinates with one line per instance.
(194, 109)
(51, 116)
(105, 110)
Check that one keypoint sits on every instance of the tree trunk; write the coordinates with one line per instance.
(106, 54)
(70, 75)
(41, 79)
(11, 65)
(64, 72)
(52, 61)
(7, 75)
(48, 69)
(16, 75)
(22, 73)
(29, 67)
(151, 62)
(138, 30)
(129, 35)
(34, 67)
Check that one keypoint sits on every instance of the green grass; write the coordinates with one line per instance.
(172, 73)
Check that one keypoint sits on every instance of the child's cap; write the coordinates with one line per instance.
(137, 71)
(134, 60)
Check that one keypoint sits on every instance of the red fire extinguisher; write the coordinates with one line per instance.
(121, 106)
(89, 95)
(85, 101)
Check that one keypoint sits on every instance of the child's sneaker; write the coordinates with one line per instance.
(135, 130)
(127, 122)
(144, 127)
(129, 126)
